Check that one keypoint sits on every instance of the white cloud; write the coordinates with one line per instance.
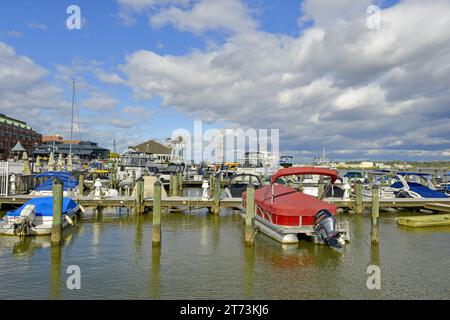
(38, 26)
(231, 15)
(14, 34)
(99, 102)
(339, 82)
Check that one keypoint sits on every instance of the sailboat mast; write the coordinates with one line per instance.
(71, 122)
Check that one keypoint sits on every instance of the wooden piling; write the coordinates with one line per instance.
(216, 201)
(133, 179)
(180, 183)
(300, 183)
(81, 185)
(321, 188)
(156, 227)
(139, 197)
(173, 186)
(375, 214)
(359, 197)
(249, 215)
(57, 212)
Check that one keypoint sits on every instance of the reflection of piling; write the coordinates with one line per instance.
(57, 212)
(156, 228)
(155, 272)
(81, 185)
(216, 201)
(375, 214)
(249, 215)
(55, 272)
(249, 272)
(359, 196)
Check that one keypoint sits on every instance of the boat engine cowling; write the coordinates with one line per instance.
(325, 227)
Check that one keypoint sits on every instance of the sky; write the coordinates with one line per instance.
(366, 84)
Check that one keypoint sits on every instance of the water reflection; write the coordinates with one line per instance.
(249, 254)
(55, 272)
(155, 288)
(215, 231)
(139, 236)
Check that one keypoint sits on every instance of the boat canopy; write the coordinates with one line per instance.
(295, 171)
(44, 207)
(69, 182)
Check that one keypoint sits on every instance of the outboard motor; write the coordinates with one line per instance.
(325, 227)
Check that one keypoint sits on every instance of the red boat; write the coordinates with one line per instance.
(287, 214)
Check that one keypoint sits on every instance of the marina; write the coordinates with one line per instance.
(226, 150)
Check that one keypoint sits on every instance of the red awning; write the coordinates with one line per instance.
(295, 171)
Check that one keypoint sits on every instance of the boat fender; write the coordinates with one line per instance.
(82, 209)
(68, 219)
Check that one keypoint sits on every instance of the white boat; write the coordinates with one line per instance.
(35, 217)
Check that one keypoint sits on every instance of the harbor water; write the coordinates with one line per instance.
(204, 257)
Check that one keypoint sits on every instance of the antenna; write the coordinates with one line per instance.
(71, 123)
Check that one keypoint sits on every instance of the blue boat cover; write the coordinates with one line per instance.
(69, 182)
(423, 174)
(44, 207)
(422, 190)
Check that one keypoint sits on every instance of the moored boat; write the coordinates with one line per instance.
(35, 217)
(287, 215)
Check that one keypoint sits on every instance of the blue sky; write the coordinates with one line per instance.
(147, 67)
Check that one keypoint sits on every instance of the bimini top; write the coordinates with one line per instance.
(333, 174)
(69, 182)
(44, 207)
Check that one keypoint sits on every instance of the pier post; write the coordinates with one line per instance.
(216, 203)
(173, 186)
(133, 180)
(321, 188)
(375, 214)
(211, 184)
(139, 197)
(359, 197)
(156, 227)
(57, 212)
(180, 183)
(81, 185)
(249, 215)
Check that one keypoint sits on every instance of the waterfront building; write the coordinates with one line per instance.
(160, 153)
(84, 150)
(13, 131)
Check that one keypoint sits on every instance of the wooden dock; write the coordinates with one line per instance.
(129, 201)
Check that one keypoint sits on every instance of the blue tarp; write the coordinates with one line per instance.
(69, 182)
(44, 207)
(421, 190)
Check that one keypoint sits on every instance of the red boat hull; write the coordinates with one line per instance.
(288, 207)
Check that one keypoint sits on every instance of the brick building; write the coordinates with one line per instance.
(13, 130)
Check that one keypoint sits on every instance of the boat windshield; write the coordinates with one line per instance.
(134, 161)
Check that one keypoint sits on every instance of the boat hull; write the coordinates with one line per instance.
(43, 225)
